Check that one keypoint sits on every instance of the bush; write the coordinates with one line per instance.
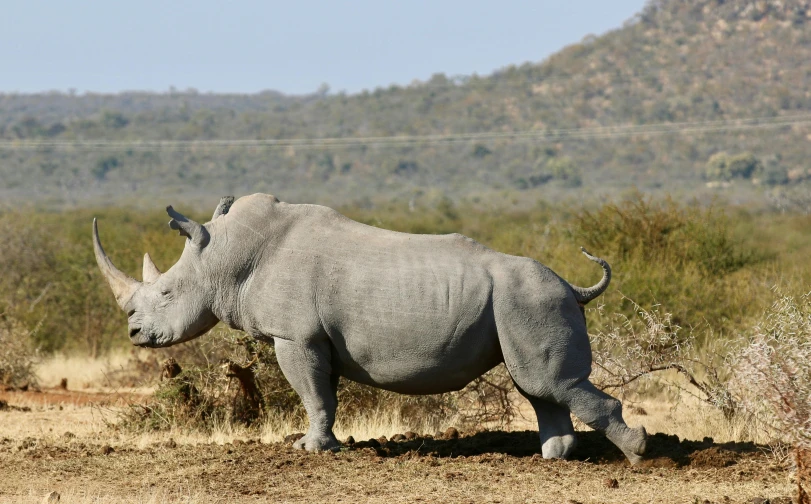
(564, 169)
(773, 372)
(664, 231)
(722, 166)
(17, 355)
(632, 350)
(686, 258)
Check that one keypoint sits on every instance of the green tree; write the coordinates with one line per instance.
(722, 166)
(564, 169)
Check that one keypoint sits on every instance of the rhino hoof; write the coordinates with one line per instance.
(314, 443)
(559, 447)
(638, 445)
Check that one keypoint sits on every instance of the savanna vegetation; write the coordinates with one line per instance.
(705, 273)
(712, 267)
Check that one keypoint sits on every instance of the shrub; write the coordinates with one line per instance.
(17, 355)
(773, 372)
(686, 258)
(773, 379)
(633, 349)
(722, 166)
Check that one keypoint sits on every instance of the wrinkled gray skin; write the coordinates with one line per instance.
(415, 314)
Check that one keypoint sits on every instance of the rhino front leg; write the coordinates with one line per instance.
(309, 371)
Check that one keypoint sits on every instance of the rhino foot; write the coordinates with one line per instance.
(633, 444)
(559, 447)
(317, 442)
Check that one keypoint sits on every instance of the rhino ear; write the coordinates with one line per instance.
(151, 272)
(223, 207)
(196, 233)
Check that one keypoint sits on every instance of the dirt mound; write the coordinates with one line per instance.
(663, 450)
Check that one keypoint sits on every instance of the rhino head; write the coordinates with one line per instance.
(165, 308)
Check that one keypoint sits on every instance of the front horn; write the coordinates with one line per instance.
(150, 272)
(122, 285)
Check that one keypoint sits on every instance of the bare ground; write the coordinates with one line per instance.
(66, 447)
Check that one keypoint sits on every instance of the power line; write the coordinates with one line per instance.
(547, 135)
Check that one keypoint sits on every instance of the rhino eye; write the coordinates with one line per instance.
(165, 292)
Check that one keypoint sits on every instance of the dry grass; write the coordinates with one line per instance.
(81, 372)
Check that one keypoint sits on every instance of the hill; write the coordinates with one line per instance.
(688, 92)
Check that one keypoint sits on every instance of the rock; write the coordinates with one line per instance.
(292, 438)
(758, 500)
(349, 441)
(63, 384)
(398, 437)
(374, 443)
(51, 498)
(382, 440)
(451, 433)
(611, 483)
(106, 449)
(410, 435)
(637, 410)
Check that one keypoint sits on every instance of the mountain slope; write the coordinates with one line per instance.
(710, 62)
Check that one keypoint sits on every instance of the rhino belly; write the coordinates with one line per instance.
(418, 325)
(419, 362)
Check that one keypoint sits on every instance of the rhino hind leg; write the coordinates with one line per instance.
(602, 412)
(308, 370)
(544, 385)
(555, 428)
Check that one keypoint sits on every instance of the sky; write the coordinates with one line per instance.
(292, 46)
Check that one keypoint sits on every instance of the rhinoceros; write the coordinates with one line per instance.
(410, 313)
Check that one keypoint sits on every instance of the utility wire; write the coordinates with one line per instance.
(546, 135)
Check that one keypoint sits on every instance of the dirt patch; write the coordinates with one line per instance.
(482, 467)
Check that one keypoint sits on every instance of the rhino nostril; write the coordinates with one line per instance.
(130, 313)
(134, 331)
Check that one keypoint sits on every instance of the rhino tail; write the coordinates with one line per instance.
(586, 294)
